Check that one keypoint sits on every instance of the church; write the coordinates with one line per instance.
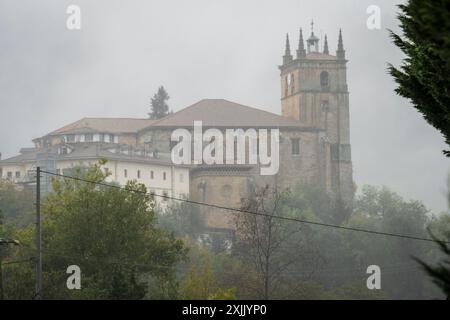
(314, 140)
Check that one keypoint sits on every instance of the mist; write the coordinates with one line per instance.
(50, 76)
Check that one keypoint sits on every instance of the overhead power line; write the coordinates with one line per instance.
(410, 237)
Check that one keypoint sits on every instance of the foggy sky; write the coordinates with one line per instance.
(230, 49)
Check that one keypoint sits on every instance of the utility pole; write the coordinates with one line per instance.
(38, 295)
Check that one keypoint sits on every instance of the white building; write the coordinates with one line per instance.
(86, 142)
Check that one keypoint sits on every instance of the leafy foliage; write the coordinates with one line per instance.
(424, 77)
(16, 204)
(111, 234)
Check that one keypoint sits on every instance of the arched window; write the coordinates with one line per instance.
(286, 86)
(292, 84)
(324, 83)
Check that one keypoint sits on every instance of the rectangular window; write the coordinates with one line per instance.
(164, 176)
(152, 175)
(139, 174)
(341, 152)
(71, 138)
(9, 175)
(295, 146)
(172, 144)
(17, 174)
(89, 137)
(125, 173)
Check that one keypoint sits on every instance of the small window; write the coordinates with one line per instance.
(125, 173)
(164, 176)
(286, 86)
(295, 146)
(70, 138)
(139, 174)
(17, 174)
(292, 84)
(324, 79)
(152, 175)
(9, 175)
(325, 106)
(172, 144)
(89, 137)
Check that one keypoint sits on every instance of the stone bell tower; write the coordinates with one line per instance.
(314, 91)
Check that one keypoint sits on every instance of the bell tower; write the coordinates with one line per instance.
(314, 92)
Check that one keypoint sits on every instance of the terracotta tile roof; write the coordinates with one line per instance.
(224, 113)
(104, 125)
(212, 112)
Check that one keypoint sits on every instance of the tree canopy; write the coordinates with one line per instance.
(110, 233)
(424, 76)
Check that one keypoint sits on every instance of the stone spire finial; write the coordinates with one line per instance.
(340, 53)
(301, 52)
(325, 46)
(287, 53)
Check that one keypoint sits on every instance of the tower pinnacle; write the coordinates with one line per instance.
(340, 52)
(301, 52)
(325, 46)
(287, 53)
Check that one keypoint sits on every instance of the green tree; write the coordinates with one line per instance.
(17, 205)
(440, 273)
(380, 209)
(200, 282)
(111, 234)
(158, 104)
(277, 248)
(181, 218)
(424, 77)
(440, 231)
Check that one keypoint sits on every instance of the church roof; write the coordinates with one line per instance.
(212, 113)
(104, 125)
(224, 113)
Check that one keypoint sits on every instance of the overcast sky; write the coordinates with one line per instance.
(50, 76)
